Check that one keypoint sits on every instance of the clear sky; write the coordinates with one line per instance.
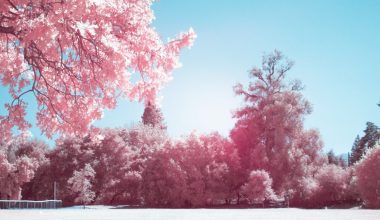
(335, 46)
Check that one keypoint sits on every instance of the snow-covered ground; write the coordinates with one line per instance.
(105, 213)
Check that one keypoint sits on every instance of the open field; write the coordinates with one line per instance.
(190, 214)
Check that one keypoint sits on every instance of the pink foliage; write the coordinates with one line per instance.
(269, 132)
(117, 156)
(81, 183)
(77, 57)
(304, 159)
(225, 174)
(333, 185)
(142, 166)
(19, 160)
(330, 185)
(152, 116)
(164, 181)
(368, 178)
(193, 172)
(258, 187)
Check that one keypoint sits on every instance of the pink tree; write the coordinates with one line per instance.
(164, 180)
(175, 176)
(303, 161)
(81, 184)
(195, 171)
(76, 57)
(152, 116)
(137, 145)
(258, 187)
(224, 172)
(333, 185)
(368, 177)
(118, 157)
(269, 132)
(19, 160)
(212, 167)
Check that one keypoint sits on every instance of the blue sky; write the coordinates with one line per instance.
(335, 46)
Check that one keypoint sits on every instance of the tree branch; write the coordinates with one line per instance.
(7, 30)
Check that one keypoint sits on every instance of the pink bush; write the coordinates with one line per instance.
(368, 178)
(258, 187)
(333, 185)
(329, 185)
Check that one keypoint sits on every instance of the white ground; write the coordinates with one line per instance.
(104, 213)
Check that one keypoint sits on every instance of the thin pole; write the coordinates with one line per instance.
(55, 190)
(55, 193)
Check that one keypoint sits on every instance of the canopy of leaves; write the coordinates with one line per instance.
(76, 57)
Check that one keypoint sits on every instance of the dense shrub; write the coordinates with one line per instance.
(368, 178)
(333, 185)
(258, 187)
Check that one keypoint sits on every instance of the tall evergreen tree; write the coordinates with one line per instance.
(152, 116)
(371, 135)
(332, 158)
(355, 156)
(369, 140)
